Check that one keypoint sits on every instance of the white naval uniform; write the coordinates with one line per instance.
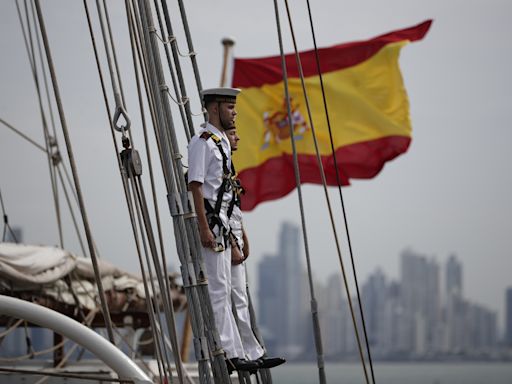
(205, 167)
(252, 347)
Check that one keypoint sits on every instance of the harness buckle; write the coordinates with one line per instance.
(215, 221)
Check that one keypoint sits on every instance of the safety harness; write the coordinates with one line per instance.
(229, 182)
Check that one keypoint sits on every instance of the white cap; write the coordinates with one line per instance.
(225, 94)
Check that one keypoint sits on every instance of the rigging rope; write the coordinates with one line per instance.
(123, 173)
(33, 64)
(113, 46)
(134, 48)
(71, 350)
(167, 287)
(147, 57)
(192, 54)
(59, 173)
(150, 305)
(185, 226)
(33, 142)
(141, 207)
(152, 109)
(106, 314)
(87, 321)
(324, 184)
(71, 211)
(314, 306)
(266, 377)
(43, 71)
(181, 92)
(163, 288)
(338, 181)
(148, 239)
(7, 226)
(11, 328)
(120, 109)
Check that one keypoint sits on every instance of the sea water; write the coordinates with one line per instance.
(397, 373)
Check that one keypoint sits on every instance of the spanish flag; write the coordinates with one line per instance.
(368, 112)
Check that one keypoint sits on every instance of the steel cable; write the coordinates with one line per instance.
(122, 170)
(29, 46)
(324, 183)
(106, 314)
(314, 306)
(180, 95)
(190, 257)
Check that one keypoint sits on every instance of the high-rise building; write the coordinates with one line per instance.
(269, 301)
(280, 295)
(421, 301)
(403, 319)
(374, 297)
(331, 303)
(480, 328)
(392, 341)
(289, 251)
(456, 306)
(453, 276)
(508, 317)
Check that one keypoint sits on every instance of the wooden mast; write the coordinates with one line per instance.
(228, 44)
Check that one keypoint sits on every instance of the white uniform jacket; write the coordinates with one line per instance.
(205, 166)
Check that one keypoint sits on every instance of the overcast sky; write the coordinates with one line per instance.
(450, 193)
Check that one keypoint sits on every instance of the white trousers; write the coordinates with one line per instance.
(218, 269)
(252, 347)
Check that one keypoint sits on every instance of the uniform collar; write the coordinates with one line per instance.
(217, 132)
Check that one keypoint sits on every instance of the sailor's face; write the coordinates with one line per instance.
(227, 114)
(233, 139)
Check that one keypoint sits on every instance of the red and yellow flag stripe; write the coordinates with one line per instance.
(368, 111)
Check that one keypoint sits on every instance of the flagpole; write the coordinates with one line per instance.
(228, 44)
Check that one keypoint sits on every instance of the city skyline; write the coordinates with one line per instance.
(423, 314)
(452, 274)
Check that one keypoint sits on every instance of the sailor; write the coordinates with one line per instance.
(209, 156)
(239, 253)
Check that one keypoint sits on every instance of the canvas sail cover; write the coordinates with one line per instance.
(61, 275)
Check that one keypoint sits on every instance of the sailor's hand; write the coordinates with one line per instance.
(207, 238)
(236, 256)
(245, 250)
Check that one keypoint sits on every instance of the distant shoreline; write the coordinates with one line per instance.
(445, 359)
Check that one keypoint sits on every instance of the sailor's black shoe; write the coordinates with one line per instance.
(270, 362)
(237, 364)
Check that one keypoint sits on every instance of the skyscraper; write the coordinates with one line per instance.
(280, 294)
(269, 301)
(420, 295)
(374, 297)
(331, 303)
(453, 276)
(455, 306)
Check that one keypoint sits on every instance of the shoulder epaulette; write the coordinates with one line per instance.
(215, 138)
(206, 135)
